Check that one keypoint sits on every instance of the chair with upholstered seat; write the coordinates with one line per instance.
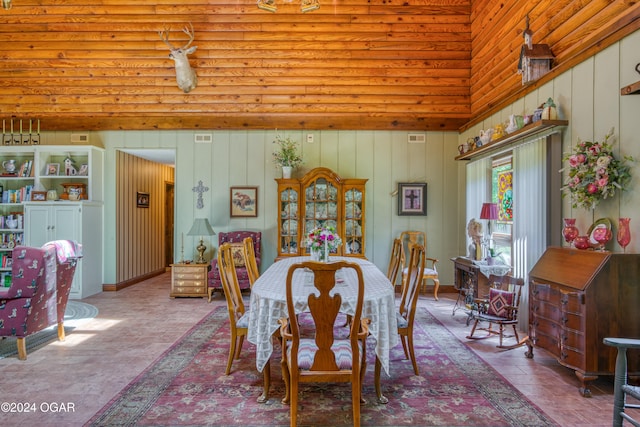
(248, 250)
(622, 390)
(313, 350)
(235, 238)
(430, 271)
(37, 298)
(501, 309)
(238, 317)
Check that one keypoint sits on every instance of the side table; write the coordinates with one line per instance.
(189, 280)
(472, 281)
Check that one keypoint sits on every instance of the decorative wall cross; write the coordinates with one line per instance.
(200, 189)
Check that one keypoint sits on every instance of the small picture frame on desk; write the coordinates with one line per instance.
(53, 169)
(84, 170)
(39, 196)
(412, 198)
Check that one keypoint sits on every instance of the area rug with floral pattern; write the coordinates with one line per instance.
(187, 386)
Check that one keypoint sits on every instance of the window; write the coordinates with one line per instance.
(502, 194)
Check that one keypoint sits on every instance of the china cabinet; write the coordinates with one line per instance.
(321, 199)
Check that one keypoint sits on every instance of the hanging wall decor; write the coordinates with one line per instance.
(200, 189)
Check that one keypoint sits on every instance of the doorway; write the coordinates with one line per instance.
(169, 221)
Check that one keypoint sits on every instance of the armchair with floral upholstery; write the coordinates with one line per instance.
(236, 239)
(37, 297)
(67, 254)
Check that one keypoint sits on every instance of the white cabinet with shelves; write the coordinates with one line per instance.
(86, 170)
(40, 168)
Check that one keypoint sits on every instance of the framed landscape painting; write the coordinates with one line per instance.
(412, 198)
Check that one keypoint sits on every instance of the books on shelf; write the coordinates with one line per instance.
(17, 196)
(5, 279)
(6, 260)
(26, 170)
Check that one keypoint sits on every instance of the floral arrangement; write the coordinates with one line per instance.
(323, 240)
(287, 152)
(594, 173)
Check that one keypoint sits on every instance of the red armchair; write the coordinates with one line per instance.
(236, 238)
(36, 298)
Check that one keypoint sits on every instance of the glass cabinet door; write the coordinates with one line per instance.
(353, 217)
(321, 206)
(289, 221)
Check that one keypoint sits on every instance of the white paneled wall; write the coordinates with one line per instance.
(589, 97)
(243, 158)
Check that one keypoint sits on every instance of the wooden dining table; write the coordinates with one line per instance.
(268, 304)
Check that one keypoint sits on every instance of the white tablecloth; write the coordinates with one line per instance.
(268, 304)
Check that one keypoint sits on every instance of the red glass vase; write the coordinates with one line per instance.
(624, 233)
(570, 231)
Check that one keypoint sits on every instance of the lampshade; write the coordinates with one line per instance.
(201, 227)
(489, 211)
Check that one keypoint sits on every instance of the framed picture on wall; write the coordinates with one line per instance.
(142, 199)
(412, 198)
(244, 202)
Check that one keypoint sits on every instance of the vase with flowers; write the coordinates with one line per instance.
(286, 156)
(594, 173)
(321, 242)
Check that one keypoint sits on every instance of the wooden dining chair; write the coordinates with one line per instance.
(250, 262)
(395, 261)
(238, 318)
(311, 350)
(430, 271)
(409, 300)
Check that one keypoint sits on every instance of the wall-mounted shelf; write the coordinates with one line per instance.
(632, 89)
(525, 132)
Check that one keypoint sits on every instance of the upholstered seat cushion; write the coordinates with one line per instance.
(402, 322)
(243, 322)
(308, 349)
(499, 301)
(427, 272)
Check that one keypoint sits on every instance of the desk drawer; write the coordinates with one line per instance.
(189, 275)
(188, 288)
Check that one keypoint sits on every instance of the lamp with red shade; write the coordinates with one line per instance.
(490, 213)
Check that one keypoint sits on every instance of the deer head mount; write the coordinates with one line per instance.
(185, 75)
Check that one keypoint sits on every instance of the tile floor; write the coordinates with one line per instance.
(136, 325)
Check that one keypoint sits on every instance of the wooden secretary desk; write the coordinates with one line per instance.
(576, 299)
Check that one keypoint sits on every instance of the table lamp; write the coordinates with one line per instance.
(489, 212)
(201, 227)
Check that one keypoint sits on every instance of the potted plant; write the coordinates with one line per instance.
(286, 155)
(493, 253)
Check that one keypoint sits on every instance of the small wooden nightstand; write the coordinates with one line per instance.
(189, 280)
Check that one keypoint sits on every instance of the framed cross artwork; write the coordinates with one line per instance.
(412, 198)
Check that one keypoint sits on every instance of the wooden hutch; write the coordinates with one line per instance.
(321, 199)
(576, 299)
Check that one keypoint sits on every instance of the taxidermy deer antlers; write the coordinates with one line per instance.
(185, 75)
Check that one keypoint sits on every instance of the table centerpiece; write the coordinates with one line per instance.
(321, 242)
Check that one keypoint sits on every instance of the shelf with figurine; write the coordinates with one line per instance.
(520, 134)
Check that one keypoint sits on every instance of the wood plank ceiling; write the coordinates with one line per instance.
(352, 64)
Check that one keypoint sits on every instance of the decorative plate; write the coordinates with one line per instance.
(599, 223)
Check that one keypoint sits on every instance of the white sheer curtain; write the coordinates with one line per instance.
(478, 189)
(529, 207)
(530, 213)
